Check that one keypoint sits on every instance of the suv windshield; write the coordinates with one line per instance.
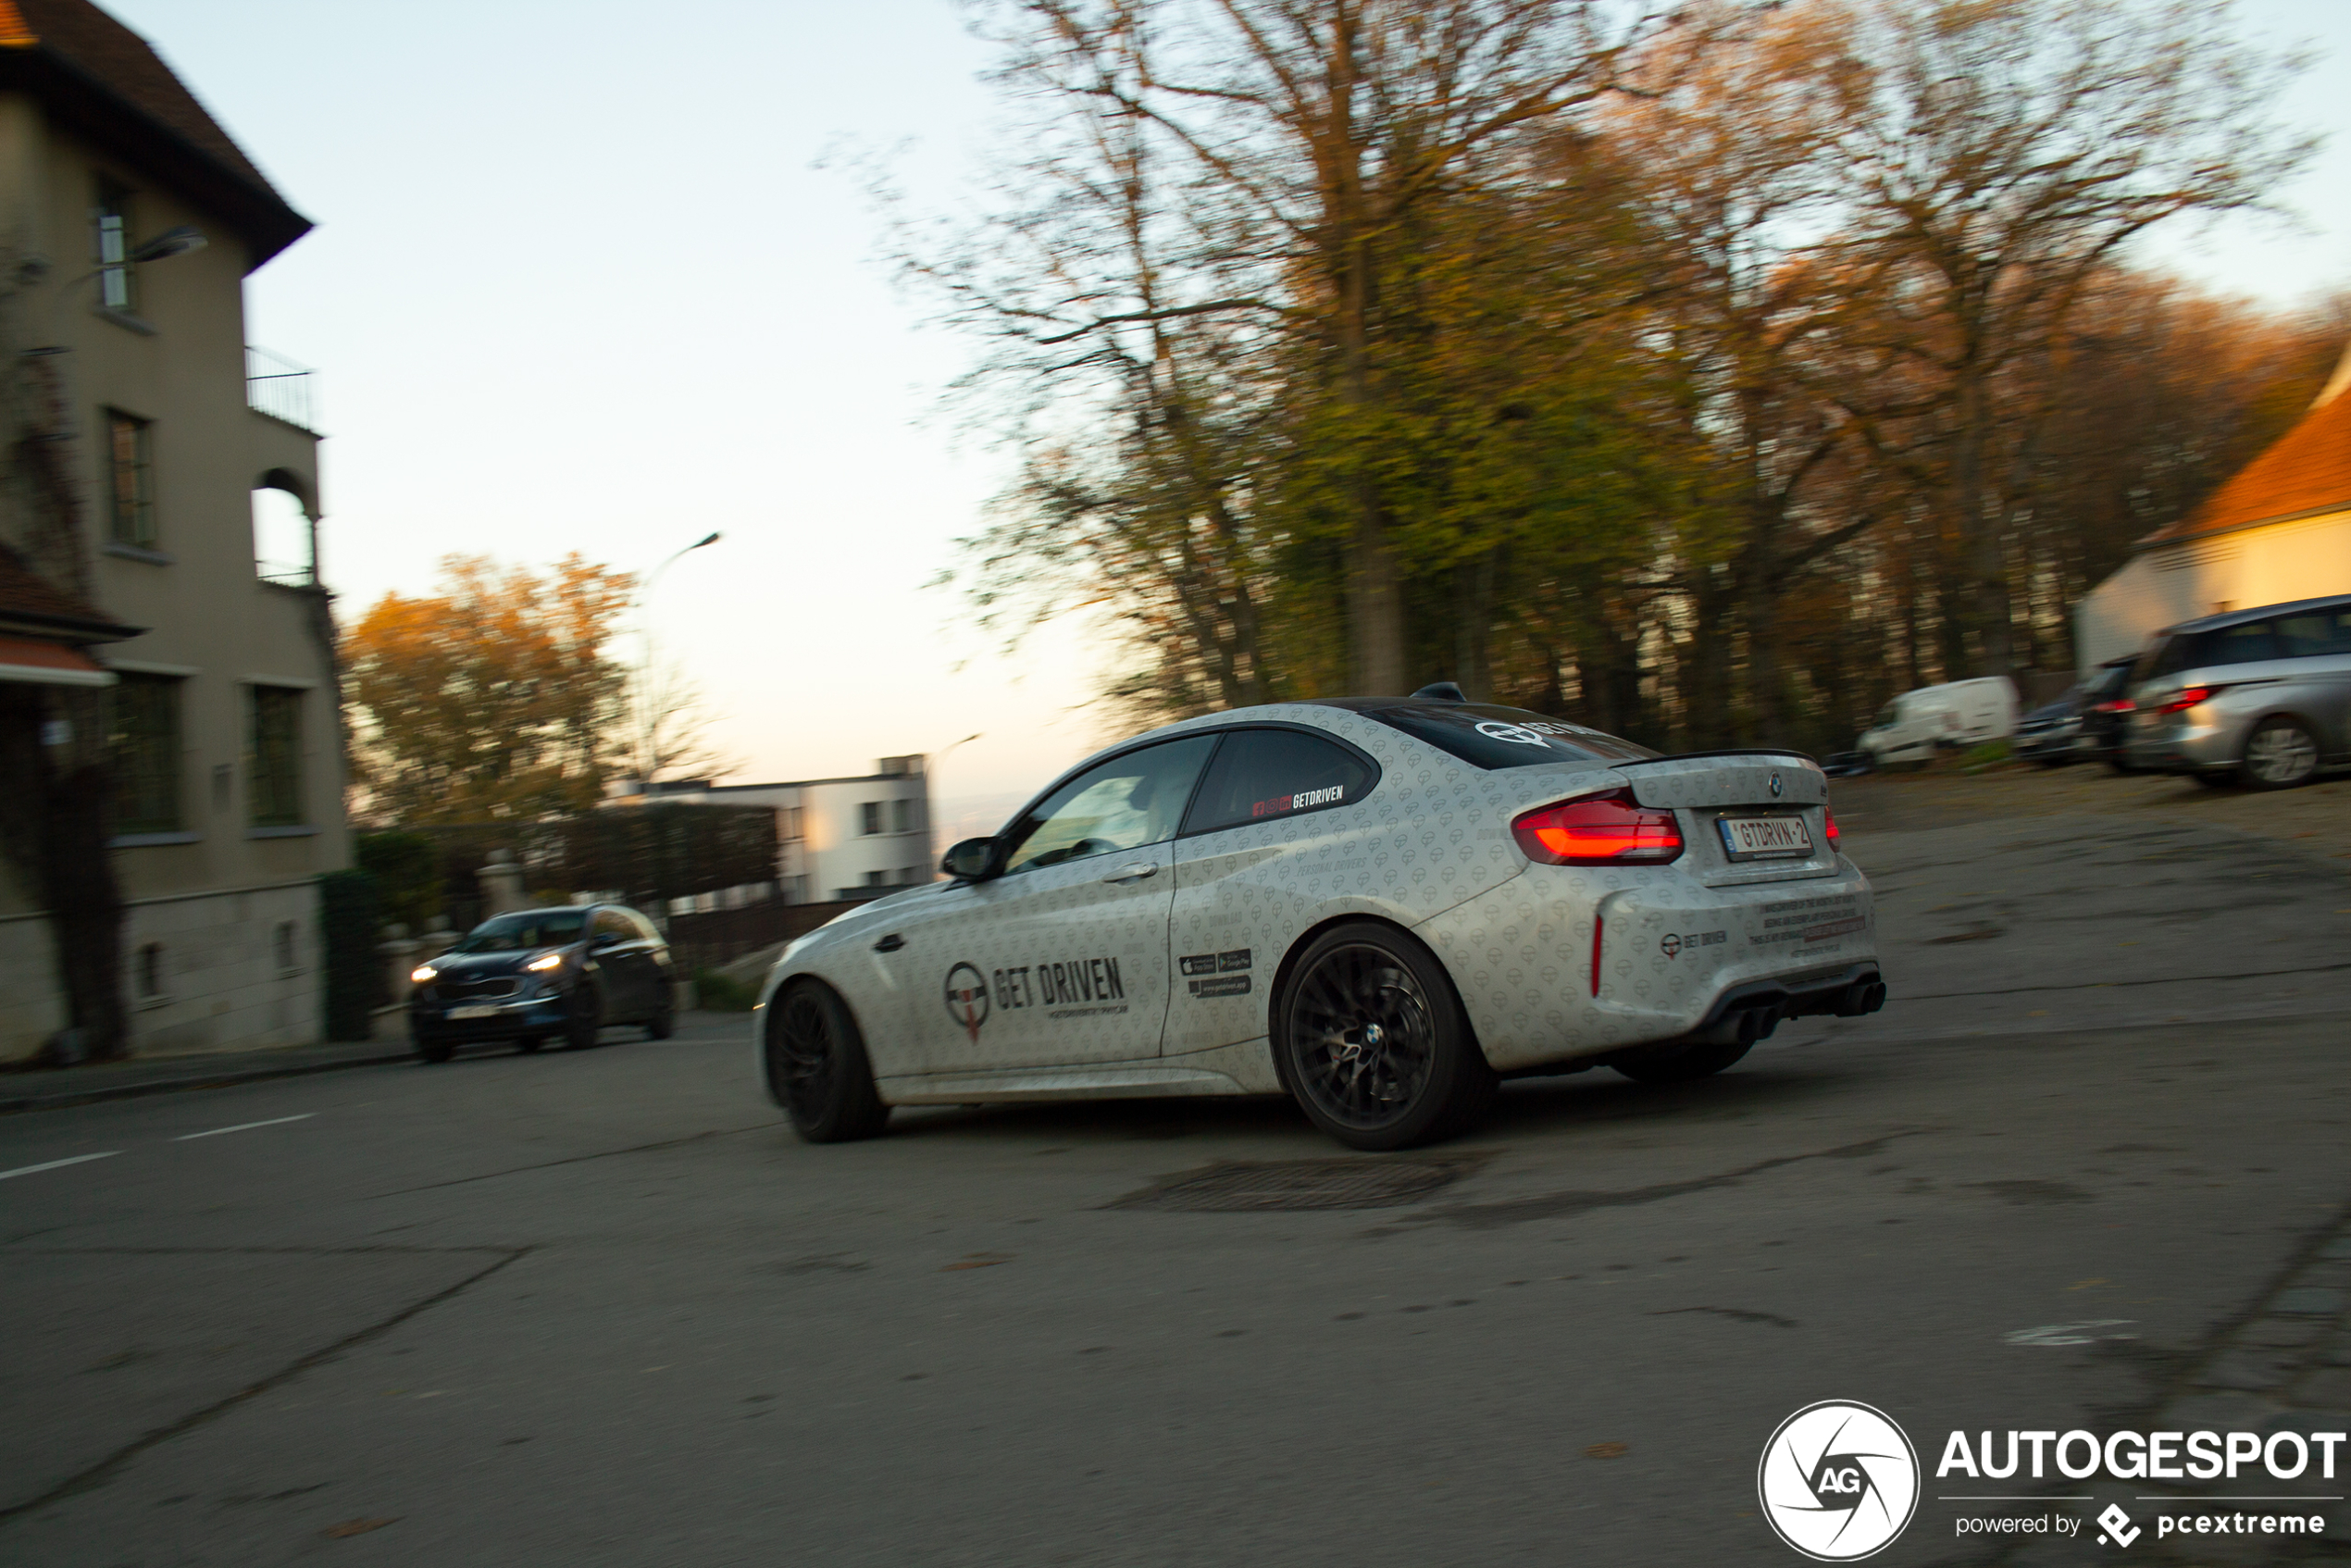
(1491, 737)
(525, 929)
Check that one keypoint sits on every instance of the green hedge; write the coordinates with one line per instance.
(347, 906)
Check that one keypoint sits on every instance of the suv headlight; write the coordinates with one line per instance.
(422, 975)
(545, 962)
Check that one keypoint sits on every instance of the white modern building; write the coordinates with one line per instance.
(837, 838)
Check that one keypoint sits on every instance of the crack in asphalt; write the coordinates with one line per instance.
(1560, 1205)
(104, 1470)
(574, 1159)
(1740, 1314)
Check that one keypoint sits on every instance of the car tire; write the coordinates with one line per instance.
(530, 1043)
(430, 1050)
(1372, 1041)
(816, 1065)
(584, 1016)
(2279, 754)
(1686, 1066)
(2117, 763)
(664, 1023)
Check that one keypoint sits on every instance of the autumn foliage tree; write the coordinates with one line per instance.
(493, 698)
(1704, 371)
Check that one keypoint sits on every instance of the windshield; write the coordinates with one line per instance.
(1888, 715)
(1492, 737)
(524, 930)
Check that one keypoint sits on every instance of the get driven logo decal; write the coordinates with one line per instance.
(967, 999)
(1838, 1481)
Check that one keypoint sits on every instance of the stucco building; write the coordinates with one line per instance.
(2279, 530)
(129, 221)
(837, 837)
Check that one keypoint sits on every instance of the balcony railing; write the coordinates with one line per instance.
(281, 388)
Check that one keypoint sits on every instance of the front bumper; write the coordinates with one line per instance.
(515, 1018)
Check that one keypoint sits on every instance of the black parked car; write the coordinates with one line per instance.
(534, 974)
(2085, 722)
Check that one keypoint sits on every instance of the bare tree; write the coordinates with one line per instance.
(2017, 148)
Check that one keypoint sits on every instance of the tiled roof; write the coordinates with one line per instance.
(2304, 471)
(108, 84)
(29, 601)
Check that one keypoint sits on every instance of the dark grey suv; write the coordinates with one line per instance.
(2260, 697)
(536, 974)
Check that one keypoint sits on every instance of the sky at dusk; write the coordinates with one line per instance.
(579, 283)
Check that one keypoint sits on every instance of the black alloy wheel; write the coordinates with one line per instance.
(1373, 1044)
(664, 1022)
(816, 1065)
(583, 1015)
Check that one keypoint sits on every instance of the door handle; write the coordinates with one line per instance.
(1132, 873)
(890, 944)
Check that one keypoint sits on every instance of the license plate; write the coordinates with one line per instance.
(478, 1011)
(1764, 838)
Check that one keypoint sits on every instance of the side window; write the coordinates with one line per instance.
(2314, 633)
(1123, 805)
(1269, 773)
(2241, 644)
(613, 923)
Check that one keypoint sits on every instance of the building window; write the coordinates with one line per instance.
(273, 757)
(788, 822)
(150, 971)
(898, 816)
(877, 878)
(111, 221)
(131, 482)
(870, 817)
(143, 744)
(282, 945)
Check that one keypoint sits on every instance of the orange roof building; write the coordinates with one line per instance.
(2279, 529)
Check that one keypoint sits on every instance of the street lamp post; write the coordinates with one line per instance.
(646, 760)
(930, 770)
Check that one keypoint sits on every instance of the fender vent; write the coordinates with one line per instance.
(1239, 1187)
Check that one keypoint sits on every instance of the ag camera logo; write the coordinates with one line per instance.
(1838, 1481)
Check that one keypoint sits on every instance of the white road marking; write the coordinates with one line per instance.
(54, 1164)
(245, 1127)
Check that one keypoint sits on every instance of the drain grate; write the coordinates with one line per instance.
(1245, 1188)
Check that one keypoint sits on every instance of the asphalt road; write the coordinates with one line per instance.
(602, 1308)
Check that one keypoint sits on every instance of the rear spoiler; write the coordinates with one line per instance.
(1733, 752)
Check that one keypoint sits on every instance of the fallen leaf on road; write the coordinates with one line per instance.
(978, 1260)
(357, 1527)
(1608, 1451)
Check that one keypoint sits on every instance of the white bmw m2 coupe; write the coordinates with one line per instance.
(1379, 906)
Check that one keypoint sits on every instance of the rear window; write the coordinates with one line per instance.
(1490, 737)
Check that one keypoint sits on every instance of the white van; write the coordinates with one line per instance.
(1959, 713)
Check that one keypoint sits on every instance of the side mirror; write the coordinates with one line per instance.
(973, 860)
(602, 940)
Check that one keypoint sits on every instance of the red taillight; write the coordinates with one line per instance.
(2119, 705)
(1830, 818)
(2185, 700)
(1597, 926)
(1598, 831)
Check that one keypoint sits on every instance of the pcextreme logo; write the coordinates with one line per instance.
(1838, 1481)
